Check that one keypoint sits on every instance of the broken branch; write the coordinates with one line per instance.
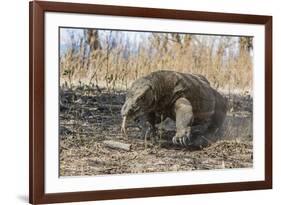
(117, 145)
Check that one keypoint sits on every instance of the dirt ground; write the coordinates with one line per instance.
(89, 116)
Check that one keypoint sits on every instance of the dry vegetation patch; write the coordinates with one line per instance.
(87, 119)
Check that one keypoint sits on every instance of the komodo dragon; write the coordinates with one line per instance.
(188, 99)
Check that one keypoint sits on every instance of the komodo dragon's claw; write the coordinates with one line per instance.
(183, 140)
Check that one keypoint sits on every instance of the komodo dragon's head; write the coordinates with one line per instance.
(139, 100)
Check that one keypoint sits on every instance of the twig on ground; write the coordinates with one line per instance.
(117, 145)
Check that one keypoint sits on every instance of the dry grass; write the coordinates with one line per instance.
(116, 65)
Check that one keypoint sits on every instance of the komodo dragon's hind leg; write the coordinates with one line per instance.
(184, 117)
(200, 135)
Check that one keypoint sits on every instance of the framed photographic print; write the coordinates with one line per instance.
(139, 102)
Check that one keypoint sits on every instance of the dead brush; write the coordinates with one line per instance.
(116, 66)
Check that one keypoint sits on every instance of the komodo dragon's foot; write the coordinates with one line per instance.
(192, 140)
(182, 137)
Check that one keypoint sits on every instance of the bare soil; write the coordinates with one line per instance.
(90, 116)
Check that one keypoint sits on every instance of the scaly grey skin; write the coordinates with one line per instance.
(197, 108)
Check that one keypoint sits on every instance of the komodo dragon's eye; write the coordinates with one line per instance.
(141, 97)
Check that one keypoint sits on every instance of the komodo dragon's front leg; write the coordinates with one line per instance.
(147, 123)
(184, 117)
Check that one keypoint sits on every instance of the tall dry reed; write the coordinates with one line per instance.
(118, 60)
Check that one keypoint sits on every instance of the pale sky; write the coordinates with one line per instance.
(134, 37)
